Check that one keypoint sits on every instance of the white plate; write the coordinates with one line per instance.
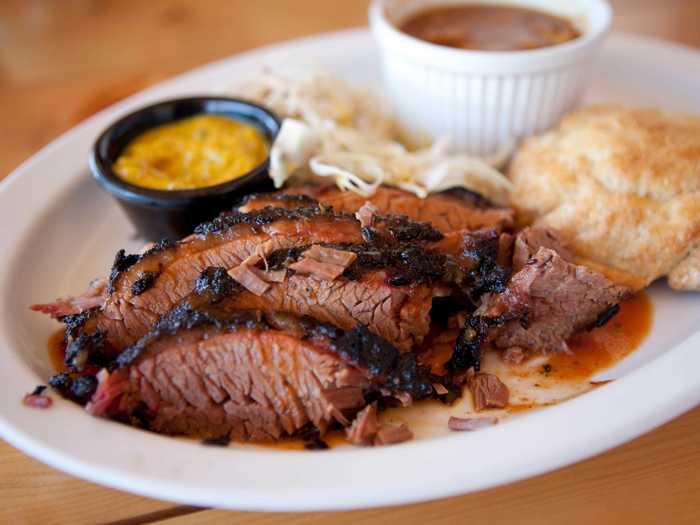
(59, 230)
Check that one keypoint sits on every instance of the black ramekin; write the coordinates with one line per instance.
(173, 214)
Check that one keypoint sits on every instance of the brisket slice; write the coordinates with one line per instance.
(144, 287)
(205, 371)
(390, 289)
(388, 286)
(482, 258)
(399, 314)
(93, 297)
(448, 211)
(246, 384)
(544, 304)
(130, 310)
(531, 239)
(560, 299)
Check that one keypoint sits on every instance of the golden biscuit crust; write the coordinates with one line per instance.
(622, 186)
(686, 276)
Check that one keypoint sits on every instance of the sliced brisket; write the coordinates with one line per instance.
(94, 297)
(544, 304)
(294, 313)
(208, 372)
(384, 276)
(448, 211)
(172, 268)
(560, 298)
(531, 239)
(247, 384)
(400, 314)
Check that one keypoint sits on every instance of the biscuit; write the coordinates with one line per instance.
(622, 186)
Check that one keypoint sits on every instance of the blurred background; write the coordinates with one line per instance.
(62, 60)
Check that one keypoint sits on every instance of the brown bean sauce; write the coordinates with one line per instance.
(489, 28)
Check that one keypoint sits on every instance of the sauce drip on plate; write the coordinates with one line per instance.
(601, 348)
(333, 439)
(57, 351)
(490, 28)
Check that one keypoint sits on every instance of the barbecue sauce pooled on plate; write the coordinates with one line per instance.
(489, 28)
(593, 351)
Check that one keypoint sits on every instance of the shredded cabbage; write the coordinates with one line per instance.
(316, 97)
(333, 130)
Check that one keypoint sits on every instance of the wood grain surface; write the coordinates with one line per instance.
(60, 61)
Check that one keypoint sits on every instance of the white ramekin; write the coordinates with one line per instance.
(484, 100)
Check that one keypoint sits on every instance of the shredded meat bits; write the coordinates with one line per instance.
(488, 391)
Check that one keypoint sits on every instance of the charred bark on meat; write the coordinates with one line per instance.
(79, 389)
(122, 261)
(264, 216)
(486, 274)
(144, 282)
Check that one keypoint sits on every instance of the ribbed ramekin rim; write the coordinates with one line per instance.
(410, 45)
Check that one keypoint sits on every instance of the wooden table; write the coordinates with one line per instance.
(62, 61)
